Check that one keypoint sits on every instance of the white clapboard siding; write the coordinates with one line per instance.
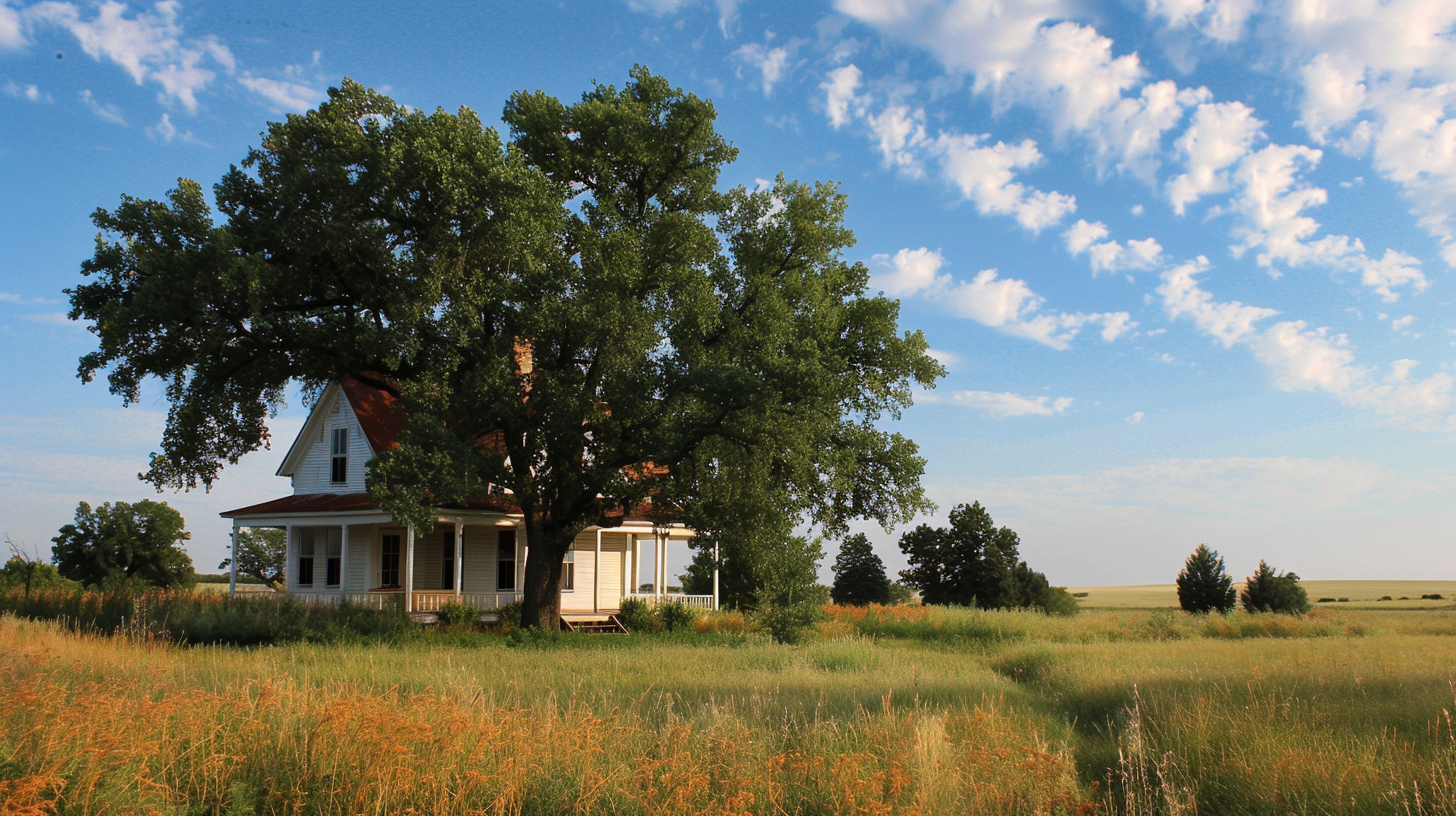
(477, 567)
(610, 571)
(359, 571)
(314, 472)
(429, 558)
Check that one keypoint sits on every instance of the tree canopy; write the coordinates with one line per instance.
(1270, 591)
(262, 553)
(974, 563)
(1203, 585)
(576, 314)
(125, 543)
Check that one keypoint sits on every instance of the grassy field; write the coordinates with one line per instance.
(1360, 593)
(889, 710)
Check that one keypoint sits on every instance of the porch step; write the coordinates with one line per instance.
(596, 625)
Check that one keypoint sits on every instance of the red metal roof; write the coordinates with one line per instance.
(373, 399)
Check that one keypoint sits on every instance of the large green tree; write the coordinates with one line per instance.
(125, 543)
(262, 553)
(576, 314)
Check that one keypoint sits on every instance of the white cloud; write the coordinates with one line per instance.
(1229, 323)
(107, 113)
(166, 133)
(284, 95)
(1006, 304)
(1303, 359)
(1222, 20)
(909, 271)
(1109, 255)
(841, 102)
(12, 37)
(986, 176)
(1272, 203)
(771, 63)
(1136, 418)
(949, 359)
(900, 132)
(1007, 404)
(30, 93)
(148, 46)
(1221, 133)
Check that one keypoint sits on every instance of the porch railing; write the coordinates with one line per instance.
(694, 601)
(428, 601)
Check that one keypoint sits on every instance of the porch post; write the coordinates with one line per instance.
(656, 565)
(459, 551)
(634, 563)
(290, 578)
(715, 575)
(343, 562)
(409, 571)
(233, 573)
(597, 575)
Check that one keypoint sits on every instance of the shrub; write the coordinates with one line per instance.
(1268, 591)
(508, 617)
(676, 616)
(637, 616)
(459, 614)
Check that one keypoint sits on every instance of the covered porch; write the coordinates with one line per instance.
(360, 555)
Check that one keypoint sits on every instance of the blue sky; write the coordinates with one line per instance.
(1188, 262)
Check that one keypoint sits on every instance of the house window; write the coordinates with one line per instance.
(448, 561)
(339, 472)
(333, 567)
(305, 556)
(389, 562)
(505, 565)
(568, 571)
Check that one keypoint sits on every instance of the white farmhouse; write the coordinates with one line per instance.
(342, 547)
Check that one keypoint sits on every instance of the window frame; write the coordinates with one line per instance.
(306, 552)
(384, 557)
(333, 557)
(339, 456)
(568, 571)
(501, 574)
(447, 562)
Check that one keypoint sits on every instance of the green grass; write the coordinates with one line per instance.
(1360, 593)
(1133, 711)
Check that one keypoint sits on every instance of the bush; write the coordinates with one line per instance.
(459, 614)
(676, 616)
(636, 615)
(1268, 591)
(508, 617)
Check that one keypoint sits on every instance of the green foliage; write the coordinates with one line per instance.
(636, 615)
(1203, 585)
(458, 614)
(508, 617)
(677, 616)
(262, 553)
(791, 599)
(182, 616)
(859, 574)
(899, 593)
(1268, 591)
(27, 575)
(125, 545)
(972, 563)
(582, 294)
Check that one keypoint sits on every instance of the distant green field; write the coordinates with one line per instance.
(1361, 594)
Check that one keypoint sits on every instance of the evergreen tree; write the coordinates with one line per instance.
(859, 574)
(1203, 585)
(1268, 591)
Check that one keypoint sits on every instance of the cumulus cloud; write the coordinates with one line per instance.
(1135, 418)
(1107, 255)
(1272, 202)
(1007, 404)
(986, 176)
(11, 35)
(842, 102)
(1222, 20)
(1221, 133)
(166, 132)
(770, 63)
(149, 46)
(1006, 304)
(30, 93)
(1300, 358)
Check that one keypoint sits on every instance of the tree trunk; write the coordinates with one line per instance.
(541, 591)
